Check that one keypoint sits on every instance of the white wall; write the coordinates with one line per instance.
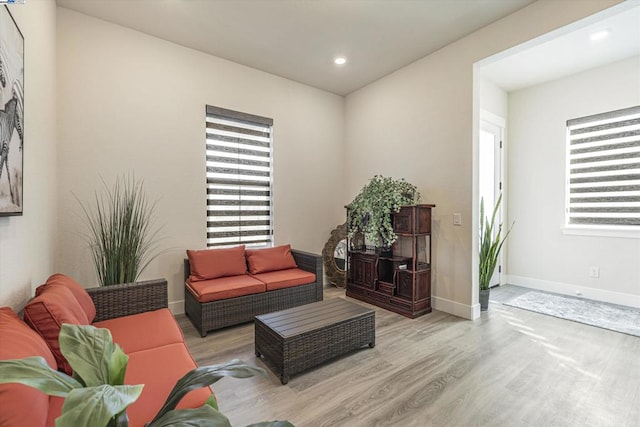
(540, 255)
(27, 241)
(132, 102)
(418, 123)
(493, 99)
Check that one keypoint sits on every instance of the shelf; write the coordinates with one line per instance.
(377, 278)
(396, 258)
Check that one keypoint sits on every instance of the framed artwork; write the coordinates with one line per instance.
(11, 115)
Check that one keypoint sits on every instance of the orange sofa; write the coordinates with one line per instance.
(224, 287)
(139, 321)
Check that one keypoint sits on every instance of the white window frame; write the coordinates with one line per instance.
(612, 140)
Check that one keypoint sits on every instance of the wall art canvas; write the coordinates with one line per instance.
(11, 114)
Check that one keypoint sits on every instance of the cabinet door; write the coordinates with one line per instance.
(369, 273)
(403, 220)
(423, 285)
(405, 284)
(364, 270)
(423, 220)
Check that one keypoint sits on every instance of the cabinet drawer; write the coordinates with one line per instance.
(386, 288)
(401, 303)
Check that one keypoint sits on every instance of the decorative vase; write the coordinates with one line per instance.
(384, 251)
(484, 299)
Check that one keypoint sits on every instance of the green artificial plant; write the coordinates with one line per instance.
(121, 231)
(96, 394)
(370, 212)
(491, 241)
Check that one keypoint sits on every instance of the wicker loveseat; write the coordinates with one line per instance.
(237, 295)
(139, 321)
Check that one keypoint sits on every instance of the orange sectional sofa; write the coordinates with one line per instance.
(225, 287)
(139, 321)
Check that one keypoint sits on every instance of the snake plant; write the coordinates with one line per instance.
(491, 241)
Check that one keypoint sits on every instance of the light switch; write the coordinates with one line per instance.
(457, 219)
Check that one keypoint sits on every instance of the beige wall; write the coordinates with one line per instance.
(540, 255)
(132, 102)
(27, 242)
(417, 123)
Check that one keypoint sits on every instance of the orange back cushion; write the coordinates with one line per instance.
(213, 263)
(48, 311)
(21, 405)
(271, 259)
(76, 289)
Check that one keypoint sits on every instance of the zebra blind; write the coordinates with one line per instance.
(239, 195)
(604, 168)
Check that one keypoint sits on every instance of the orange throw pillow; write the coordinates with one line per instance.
(48, 311)
(21, 405)
(213, 263)
(271, 259)
(76, 289)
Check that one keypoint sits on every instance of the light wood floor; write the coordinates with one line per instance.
(509, 368)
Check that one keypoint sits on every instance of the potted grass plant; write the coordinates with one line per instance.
(96, 394)
(370, 211)
(491, 241)
(122, 234)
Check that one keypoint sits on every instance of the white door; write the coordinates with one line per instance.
(490, 173)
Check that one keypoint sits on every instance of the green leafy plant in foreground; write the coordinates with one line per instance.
(96, 394)
(121, 231)
(370, 211)
(491, 242)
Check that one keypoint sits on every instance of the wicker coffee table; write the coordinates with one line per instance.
(299, 338)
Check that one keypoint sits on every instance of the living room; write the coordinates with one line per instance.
(102, 100)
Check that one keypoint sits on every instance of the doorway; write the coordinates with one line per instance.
(490, 162)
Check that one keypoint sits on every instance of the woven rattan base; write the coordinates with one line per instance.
(299, 338)
(208, 316)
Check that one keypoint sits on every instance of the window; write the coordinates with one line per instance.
(239, 191)
(603, 154)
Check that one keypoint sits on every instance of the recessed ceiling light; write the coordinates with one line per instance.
(340, 60)
(599, 35)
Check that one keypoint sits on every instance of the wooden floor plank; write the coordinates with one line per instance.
(509, 368)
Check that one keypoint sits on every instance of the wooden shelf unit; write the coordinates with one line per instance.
(400, 281)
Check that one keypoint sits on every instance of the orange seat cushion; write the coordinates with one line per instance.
(285, 278)
(159, 369)
(76, 289)
(144, 330)
(48, 311)
(270, 259)
(213, 263)
(225, 287)
(21, 405)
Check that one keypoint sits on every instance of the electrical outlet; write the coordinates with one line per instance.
(594, 272)
(457, 219)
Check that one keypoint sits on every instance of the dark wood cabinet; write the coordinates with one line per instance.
(399, 281)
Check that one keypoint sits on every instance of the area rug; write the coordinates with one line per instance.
(617, 318)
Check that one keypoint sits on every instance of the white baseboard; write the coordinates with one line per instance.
(465, 311)
(620, 298)
(177, 307)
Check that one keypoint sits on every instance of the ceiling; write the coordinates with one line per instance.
(569, 50)
(298, 39)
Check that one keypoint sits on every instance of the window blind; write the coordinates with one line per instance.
(239, 194)
(604, 168)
